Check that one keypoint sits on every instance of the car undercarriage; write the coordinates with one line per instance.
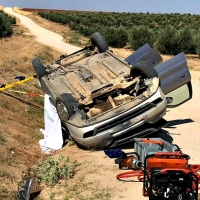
(99, 96)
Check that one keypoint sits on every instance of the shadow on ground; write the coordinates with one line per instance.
(163, 134)
(173, 123)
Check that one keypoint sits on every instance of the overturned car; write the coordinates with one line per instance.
(105, 101)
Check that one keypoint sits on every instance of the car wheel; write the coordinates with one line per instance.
(142, 69)
(98, 41)
(65, 105)
(24, 189)
(39, 68)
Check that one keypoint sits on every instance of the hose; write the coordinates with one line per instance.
(133, 173)
(195, 169)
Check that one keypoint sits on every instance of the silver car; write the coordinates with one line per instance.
(105, 101)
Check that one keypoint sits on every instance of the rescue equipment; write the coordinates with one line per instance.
(162, 167)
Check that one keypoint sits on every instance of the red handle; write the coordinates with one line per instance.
(152, 141)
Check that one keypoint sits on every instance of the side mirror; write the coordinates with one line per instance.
(169, 100)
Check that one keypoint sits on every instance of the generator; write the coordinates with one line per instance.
(162, 167)
(167, 176)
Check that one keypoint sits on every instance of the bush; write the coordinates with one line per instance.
(50, 171)
(172, 41)
(140, 36)
(116, 37)
(12, 20)
(167, 42)
(197, 44)
(185, 41)
(175, 31)
(6, 25)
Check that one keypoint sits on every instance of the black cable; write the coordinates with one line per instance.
(23, 101)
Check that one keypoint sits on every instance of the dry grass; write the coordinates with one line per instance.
(21, 12)
(20, 120)
(19, 50)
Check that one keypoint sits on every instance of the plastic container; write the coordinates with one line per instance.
(146, 148)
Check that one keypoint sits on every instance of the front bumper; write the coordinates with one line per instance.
(140, 120)
(125, 136)
(141, 131)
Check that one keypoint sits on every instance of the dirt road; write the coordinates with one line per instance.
(43, 36)
(183, 128)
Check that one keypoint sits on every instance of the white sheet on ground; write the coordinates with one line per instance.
(53, 139)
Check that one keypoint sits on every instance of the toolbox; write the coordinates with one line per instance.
(148, 146)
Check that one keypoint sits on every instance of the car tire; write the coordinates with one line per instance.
(142, 69)
(65, 106)
(39, 68)
(24, 189)
(98, 41)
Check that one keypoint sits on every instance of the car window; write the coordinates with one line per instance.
(180, 95)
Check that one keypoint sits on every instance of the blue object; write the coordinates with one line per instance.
(20, 78)
(114, 153)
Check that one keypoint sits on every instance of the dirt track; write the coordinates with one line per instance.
(183, 128)
(44, 36)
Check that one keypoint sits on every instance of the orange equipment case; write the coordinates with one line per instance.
(163, 163)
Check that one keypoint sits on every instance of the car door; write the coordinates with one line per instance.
(175, 78)
(145, 53)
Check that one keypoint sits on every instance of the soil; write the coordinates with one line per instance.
(95, 176)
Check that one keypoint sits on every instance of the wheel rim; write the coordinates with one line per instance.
(62, 111)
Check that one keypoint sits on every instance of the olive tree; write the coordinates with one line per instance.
(167, 42)
(116, 37)
(139, 36)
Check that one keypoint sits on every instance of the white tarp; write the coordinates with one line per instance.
(53, 139)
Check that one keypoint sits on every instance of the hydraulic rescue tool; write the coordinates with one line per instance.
(161, 166)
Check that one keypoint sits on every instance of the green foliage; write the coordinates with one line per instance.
(172, 41)
(186, 41)
(197, 44)
(6, 25)
(167, 42)
(50, 171)
(116, 37)
(139, 36)
(12, 20)
(135, 28)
